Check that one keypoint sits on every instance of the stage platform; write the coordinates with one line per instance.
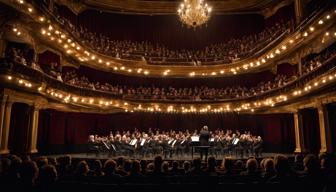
(104, 156)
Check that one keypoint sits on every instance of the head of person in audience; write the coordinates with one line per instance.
(127, 165)
(52, 161)
(110, 167)
(197, 163)
(5, 166)
(65, 161)
(311, 164)
(42, 161)
(97, 166)
(186, 166)
(262, 163)
(143, 164)
(165, 167)
(48, 174)
(175, 166)
(269, 165)
(239, 165)
(82, 169)
(150, 167)
(251, 165)
(29, 172)
(15, 166)
(211, 163)
(228, 164)
(281, 165)
(298, 158)
(120, 162)
(157, 163)
(327, 162)
(135, 167)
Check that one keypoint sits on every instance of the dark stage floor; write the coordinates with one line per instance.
(179, 158)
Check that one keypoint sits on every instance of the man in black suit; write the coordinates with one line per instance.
(257, 146)
(204, 142)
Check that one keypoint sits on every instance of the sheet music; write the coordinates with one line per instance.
(133, 142)
(142, 142)
(194, 138)
(174, 143)
(235, 141)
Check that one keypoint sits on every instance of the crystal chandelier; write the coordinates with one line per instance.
(194, 13)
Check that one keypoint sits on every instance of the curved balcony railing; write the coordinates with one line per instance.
(256, 51)
(28, 73)
(140, 57)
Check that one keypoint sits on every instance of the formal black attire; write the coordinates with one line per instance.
(204, 143)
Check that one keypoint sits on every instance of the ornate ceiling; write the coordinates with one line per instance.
(159, 7)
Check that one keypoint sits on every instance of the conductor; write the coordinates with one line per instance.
(204, 142)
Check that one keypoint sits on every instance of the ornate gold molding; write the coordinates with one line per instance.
(160, 7)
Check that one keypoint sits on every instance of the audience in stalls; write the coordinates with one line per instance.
(172, 93)
(26, 175)
(227, 52)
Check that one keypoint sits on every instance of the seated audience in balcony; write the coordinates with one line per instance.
(227, 52)
(171, 93)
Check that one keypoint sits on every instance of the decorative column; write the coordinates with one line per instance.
(33, 127)
(299, 141)
(2, 113)
(299, 65)
(325, 134)
(35, 64)
(2, 45)
(298, 11)
(5, 128)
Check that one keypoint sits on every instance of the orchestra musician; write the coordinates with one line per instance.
(257, 146)
(93, 145)
(178, 143)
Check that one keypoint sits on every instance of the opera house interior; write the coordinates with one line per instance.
(162, 95)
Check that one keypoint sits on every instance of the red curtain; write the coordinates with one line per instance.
(283, 14)
(73, 128)
(287, 69)
(311, 131)
(332, 124)
(48, 57)
(18, 139)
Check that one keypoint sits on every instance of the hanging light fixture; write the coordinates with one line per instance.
(194, 13)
